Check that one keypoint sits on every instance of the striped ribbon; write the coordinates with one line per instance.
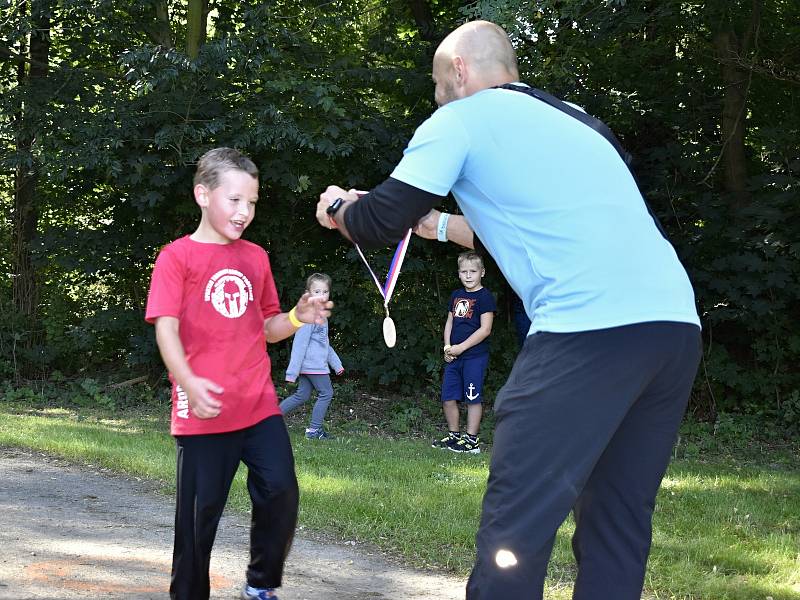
(387, 289)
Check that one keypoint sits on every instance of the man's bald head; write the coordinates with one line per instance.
(476, 56)
(483, 44)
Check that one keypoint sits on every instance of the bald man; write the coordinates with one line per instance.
(588, 416)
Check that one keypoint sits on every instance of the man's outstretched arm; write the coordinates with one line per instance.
(380, 218)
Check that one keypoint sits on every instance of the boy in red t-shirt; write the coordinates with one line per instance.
(214, 305)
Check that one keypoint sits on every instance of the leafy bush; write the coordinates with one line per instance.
(336, 103)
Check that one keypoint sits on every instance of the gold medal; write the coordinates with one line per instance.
(389, 331)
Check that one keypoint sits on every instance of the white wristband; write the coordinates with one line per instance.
(441, 228)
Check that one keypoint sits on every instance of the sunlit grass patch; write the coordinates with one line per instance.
(722, 531)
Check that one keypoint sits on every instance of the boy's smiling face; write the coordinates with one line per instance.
(227, 209)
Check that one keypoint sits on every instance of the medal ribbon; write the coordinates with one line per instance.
(387, 289)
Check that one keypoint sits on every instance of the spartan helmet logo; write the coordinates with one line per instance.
(229, 292)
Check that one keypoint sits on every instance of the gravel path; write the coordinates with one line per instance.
(69, 533)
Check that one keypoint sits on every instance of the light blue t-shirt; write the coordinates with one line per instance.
(556, 207)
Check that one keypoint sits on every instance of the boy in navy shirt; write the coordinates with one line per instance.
(466, 352)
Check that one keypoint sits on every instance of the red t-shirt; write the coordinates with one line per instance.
(221, 294)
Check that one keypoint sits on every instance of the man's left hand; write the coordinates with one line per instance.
(426, 227)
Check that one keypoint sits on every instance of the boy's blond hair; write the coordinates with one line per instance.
(470, 257)
(215, 162)
(318, 277)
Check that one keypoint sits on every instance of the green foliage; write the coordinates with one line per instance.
(746, 436)
(406, 418)
(748, 276)
(329, 93)
(85, 393)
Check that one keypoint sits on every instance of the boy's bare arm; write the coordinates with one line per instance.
(448, 329)
(480, 334)
(309, 309)
(198, 389)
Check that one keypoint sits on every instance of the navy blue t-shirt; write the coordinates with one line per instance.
(467, 308)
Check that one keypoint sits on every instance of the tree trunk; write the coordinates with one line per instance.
(162, 32)
(197, 16)
(734, 105)
(732, 52)
(423, 17)
(25, 295)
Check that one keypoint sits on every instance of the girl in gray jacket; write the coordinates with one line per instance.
(311, 361)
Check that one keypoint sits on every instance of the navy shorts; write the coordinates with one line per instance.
(463, 379)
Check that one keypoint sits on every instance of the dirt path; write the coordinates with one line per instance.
(71, 533)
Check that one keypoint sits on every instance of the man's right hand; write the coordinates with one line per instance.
(326, 198)
(199, 391)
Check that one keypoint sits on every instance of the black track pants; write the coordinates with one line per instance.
(206, 467)
(586, 421)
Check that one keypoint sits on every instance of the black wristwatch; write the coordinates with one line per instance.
(334, 206)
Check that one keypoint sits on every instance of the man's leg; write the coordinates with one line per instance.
(206, 467)
(272, 484)
(565, 398)
(614, 512)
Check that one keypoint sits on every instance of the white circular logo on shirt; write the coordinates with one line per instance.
(229, 292)
(463, 308)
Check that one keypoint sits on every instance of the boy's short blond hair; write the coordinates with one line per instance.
(325, 278)
(470, 257)
(215, 162)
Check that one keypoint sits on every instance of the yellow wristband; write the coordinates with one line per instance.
(447, 347)
(293, 318)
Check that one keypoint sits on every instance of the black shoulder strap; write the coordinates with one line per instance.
(595, 124)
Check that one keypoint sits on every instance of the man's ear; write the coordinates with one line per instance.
(459, 70)
(201, 195)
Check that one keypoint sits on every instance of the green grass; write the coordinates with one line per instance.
(725, 528)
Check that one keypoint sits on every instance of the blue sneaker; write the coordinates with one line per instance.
(251, 593)
(318, 434)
